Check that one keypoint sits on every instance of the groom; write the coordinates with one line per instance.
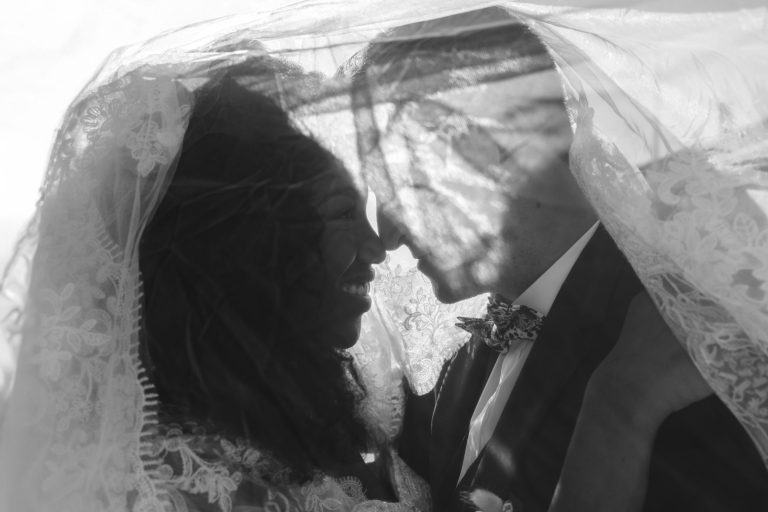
(513, 417)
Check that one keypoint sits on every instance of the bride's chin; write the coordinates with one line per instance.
(344, 333)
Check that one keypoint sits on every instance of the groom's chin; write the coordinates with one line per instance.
(444, 295)
(448, 286)
(446, 292)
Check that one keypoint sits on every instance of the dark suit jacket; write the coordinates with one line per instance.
(702, 458)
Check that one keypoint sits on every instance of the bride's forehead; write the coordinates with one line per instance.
(334, 177)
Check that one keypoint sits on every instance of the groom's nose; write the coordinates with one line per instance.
(389, 233)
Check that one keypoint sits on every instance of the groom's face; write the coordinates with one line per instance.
(482, 191)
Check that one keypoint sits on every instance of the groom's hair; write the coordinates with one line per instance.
(407, 67)
(476, 47)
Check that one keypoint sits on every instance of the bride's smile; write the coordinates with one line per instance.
(348, 248)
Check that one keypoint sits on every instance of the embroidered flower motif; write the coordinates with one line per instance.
(352, 487)
(145, 147)
(98, 117)
(320, 497)
(141, 115)
(410, 314)
(693, 226)
(216, 467)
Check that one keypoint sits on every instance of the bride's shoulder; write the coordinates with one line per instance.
(202, 471)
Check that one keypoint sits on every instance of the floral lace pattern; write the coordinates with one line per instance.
(695, 228)
(693, 225)
(216, 469)
(420, 332)
(378, 362)
(81, 317)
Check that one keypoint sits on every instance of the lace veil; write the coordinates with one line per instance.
(669, 120)
(668, 114)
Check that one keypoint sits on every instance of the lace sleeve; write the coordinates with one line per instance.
(251, 497)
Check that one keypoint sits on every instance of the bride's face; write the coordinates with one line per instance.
(348, 248)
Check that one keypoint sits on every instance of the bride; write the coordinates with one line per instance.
(255, 278)
(201, 269)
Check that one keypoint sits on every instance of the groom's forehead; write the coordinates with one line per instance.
(483, 129)
(441, 54)
(510, 105)
(444, 114)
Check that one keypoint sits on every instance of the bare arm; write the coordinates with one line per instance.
(646, 377)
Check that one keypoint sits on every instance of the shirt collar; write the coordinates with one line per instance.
(542, 293)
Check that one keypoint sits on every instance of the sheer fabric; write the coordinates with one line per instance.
(231, 476)
(668, 114)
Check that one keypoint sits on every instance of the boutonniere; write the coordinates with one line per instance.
(504, 325)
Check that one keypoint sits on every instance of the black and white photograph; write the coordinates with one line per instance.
(384, 256)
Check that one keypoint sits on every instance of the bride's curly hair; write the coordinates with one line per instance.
(230, 264)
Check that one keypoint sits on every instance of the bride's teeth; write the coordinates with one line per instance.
(356, 289)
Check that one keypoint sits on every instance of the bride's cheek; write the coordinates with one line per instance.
(338, 250)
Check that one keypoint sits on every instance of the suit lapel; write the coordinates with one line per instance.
(457, 393)
(579, 331)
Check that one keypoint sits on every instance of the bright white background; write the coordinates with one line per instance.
(48, 50)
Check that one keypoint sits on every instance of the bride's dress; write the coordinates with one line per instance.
(206, 473)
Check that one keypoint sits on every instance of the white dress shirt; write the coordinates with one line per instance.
(539, 296)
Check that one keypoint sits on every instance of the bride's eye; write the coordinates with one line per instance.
(348, 214)
(344, 214)
(339, 208)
